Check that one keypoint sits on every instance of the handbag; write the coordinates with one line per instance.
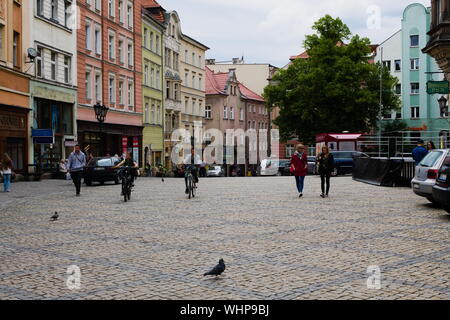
(292, 169)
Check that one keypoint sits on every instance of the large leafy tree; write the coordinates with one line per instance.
(336, 89)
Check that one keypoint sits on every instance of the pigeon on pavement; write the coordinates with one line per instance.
(217, 270)
(55, 216)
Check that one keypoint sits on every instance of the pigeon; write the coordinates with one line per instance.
(162, 179)
(217, 270)
(55, 216)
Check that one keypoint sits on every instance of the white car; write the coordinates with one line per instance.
(215, 171)
(426, 173)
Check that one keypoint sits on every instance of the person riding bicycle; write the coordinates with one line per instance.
(129, 162)
(192, 161)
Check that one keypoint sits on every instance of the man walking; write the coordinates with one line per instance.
(419, 152)
(77, 162)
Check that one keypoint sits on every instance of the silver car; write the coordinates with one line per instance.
(215, 171)
(426, 173)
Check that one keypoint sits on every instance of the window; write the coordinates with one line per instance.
(193, 58)
(111, 8)
(54, 12)
(144, 38)
(98, 4)
(112, 89)
(66, 69)
(120, 8)
(121, 101)
(53, 66)
(175, 92)
(414, 41)
(193, 81)
(98, 40)
(158, 114)
(153, 118)
(130, 55)
(121, 59)
(290, 149)
(146, 114)
(415, 112)
(146, 75)
(39, 63)
(158, 79)
(194, 107)
(168, 90)
(16, 49)
(225, 112)
(231, 113)
(98, 84)
(152, 77)
(241, 114)
(130, 15)
(67, 13)
(186, 78)
(387, 116)
(415, 64)
(200, 61)
(398, 65)
(40, 8)
(398, 115)
(88, 35)
(398, 89)
(157, 44)
(200, 83)
(111, 45)
(88, 85)
(186, 54)
(415, 87)
(151, 41)
(387, 64)
(130, 95)
(208, 112)
(186, 106)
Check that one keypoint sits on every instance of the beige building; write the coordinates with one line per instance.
(193, 82)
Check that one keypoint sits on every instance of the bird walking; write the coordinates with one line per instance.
(217, 270)
(55, 216)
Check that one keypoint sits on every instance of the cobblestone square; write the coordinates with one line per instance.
(275, 245)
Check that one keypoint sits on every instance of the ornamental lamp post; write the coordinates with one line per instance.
(100, 113)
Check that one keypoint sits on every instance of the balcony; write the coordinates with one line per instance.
(173, 105)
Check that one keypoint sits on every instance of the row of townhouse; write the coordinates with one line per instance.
(59, 58)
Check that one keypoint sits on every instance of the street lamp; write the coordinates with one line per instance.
(443, 106)
(100, 113)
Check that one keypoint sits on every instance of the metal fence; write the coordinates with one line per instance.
(401, 144)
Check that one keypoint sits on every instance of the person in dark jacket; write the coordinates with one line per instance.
(419, 152)
(325, 163)
(299, 166)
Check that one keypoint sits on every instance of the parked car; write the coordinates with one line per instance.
(312, 165)
(215, 171)
(441, 190)
(101, 170)
(426, 173)
(344, 161)
(274, 167)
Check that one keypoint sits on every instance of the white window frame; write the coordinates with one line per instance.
(130, 54)
(415, 91)
(130, 15)
(40, 61)
(111, 45)
(415, 112)
(121, 92)
(67, 69)
(88, 84)
(54, 10)
(208, 112)
(231, 113)
(225, 112)
(112, 89)
(88, 32)
(414, 64)
(111, 8)
(98, 85)
(130, 94)
(121, 51)
(53, 66)
(121, 11)
(98, 39)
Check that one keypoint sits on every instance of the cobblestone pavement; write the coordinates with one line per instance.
(275, 245)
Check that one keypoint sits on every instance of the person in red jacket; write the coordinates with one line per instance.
(299, 165)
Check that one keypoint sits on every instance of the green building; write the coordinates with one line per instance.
(152, 89)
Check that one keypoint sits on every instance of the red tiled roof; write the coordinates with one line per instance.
(249, 94)
(303, 55)
(157, 12)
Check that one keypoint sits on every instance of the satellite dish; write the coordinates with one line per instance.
(32, 53)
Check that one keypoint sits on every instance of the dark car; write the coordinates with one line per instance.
(101, 170)
(344, 161)
(441, 191)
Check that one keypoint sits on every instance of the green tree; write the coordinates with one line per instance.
(336, 89)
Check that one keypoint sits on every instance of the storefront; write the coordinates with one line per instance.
(53, 109)
(110, 139)
(14, 117)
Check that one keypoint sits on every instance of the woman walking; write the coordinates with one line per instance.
(325, 162)
(430, 146)
(6, 170)
(299, 167)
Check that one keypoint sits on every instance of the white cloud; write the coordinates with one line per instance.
(271, 31)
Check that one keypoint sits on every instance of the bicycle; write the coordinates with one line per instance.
(127, 182)
(190, 182)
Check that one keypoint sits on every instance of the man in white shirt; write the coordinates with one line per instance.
(192, 161)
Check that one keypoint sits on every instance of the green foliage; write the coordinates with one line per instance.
(336, 89)
(392, 128)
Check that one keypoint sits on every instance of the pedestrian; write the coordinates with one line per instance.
(76, 164)
(419, 152)
(325, 163)
(6, 171)
(430, 146)
(299, 167)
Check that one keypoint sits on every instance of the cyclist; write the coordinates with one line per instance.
(129, 162)
(192, 161)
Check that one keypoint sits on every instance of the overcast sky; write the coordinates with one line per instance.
(270, 31)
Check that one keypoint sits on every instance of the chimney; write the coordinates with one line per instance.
(210, 61)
